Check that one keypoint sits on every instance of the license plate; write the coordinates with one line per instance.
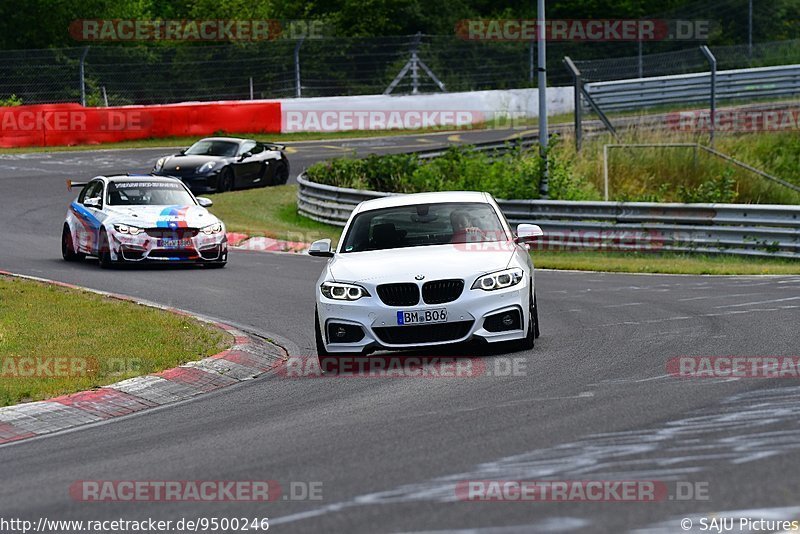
(174, 243)
(422, 316)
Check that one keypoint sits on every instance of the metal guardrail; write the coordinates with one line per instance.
(739, 84)
(739, 229)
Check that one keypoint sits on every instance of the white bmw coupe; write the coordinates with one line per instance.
(423, 270)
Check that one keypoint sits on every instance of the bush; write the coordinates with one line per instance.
(11, 101)
(514, 175)
(656, 174)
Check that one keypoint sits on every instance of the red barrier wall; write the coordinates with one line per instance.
(73, 124)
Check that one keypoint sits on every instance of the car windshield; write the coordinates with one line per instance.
(213, 148)
(148, 194)
(422, 225)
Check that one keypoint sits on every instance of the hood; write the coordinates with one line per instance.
(162, 216)
(188, 162)
(433, 262)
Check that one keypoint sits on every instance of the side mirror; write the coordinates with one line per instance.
(321, 248)
(205, 202)
(92, 203)
(528, 232)
(182, 151)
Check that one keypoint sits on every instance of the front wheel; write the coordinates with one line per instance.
(225, 181)
(320, 344)
(68, 246)
(215, 264)
(281, 175)
(104, 252)
(532, 332)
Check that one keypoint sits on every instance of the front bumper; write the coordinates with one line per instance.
(201, 248)
(197, 183)
(465, 320)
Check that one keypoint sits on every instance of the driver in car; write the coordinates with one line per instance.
(464, 230)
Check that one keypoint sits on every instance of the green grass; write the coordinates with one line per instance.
(662, 262)
(676, 175)
(272, 211)
(101, 339)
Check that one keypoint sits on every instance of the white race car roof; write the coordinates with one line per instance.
(121, 178)
(439, 197)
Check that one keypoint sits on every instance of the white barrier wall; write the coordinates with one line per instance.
(379, 112)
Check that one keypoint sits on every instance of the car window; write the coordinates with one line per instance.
(205, 147)
(247, 146)
(146, 193)
(422, 225)
(94, 191)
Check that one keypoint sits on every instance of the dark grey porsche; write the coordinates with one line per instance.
(217, 164)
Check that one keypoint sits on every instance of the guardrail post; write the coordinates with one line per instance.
(712, 61)
(81, 74)
(605, 172)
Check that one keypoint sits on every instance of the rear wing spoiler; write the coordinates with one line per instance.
(71, 184)
(273, 146)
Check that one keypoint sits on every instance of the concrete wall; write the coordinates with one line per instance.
(375, 112)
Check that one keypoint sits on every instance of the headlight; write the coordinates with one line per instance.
(499, 280)
(207, 167)
(160, 164)
(212, 229)
(337, 291)
(125, 229)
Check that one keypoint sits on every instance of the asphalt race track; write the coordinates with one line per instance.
(595, 402)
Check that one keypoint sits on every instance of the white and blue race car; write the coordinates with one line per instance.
(138, 218)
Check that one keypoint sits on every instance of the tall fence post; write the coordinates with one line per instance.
(297, 89)
(81, 74)
(578, 84)
(712, 61)
(544, 186)
(251, 88)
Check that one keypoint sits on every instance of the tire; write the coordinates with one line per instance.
(322, 353)
(320, 344)
(528, 341)
(225, 181)
(281, 174)
(215, 264)
(104, 252)
(68, 246)
(536, 315)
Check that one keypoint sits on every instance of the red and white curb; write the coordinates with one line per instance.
(248, 358)
(239, 241)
